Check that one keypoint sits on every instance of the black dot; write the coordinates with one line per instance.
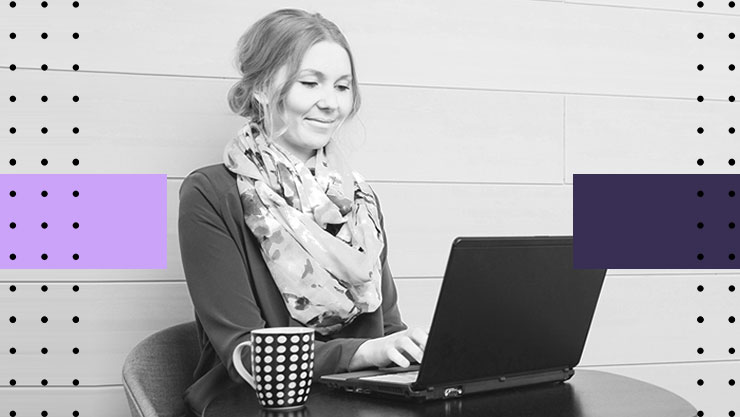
(700, 413)
(12, 351)
(44, 351)
(44, 67)
(12, 193)
(12, 4)
(700, 4)
(12, 225)
(700, 99)
(44, 225)
(44, 319)
(75, 36)
(700, 288)
(700, 193)
(44, 193)
(44, 162)
(44, 413)
(75, 225)
(76, 130)
(44, 35)
(731, 382)
(12, 131)
(75, 256)
(12, 288)
(44, 288)
(700, 162)
(732, 225)
(75, 382)
(75, 319)
(44, 4)
(731, 35)
(731, 288)
(12, 382)
(44, 130)
(12, 319)
(700, 225)
(12, 67)
(75, 67)
(12, 257)
(75, 162)
(700, 319)
(12, 35)
(700, 67)
(700, 382)
(12, 99)
(732, 256)
(75, 99)
(731, 413)
(700, 256)
(700, 130)
(75, 351)
(732, 193)
(75, 288)
(732, 351)
(76, 4)
(732, 67)
(732, 99)
(700, 351)
(76, 193)
(44, 382)
(732, 130)
(731, 319)
(44, 99)
(44, 256)
(731, 161)
(75, 413)
(12, 162)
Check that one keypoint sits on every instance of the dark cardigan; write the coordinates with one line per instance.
(233, 292)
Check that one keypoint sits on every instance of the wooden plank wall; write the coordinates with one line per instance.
(475, 118)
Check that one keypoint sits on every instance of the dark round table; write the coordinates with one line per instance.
(587, 393)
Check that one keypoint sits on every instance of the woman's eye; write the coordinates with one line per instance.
(308, 83)
(343, 87)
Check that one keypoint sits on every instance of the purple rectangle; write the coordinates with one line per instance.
(656, 221)
(121, 219)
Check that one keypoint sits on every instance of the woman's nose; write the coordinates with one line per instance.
(329, 100)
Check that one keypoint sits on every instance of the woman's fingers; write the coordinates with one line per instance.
(410, 347)
(396, 357)
(419, 336)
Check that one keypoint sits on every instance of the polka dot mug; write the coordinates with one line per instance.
(282, 365)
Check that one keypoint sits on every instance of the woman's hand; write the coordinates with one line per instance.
(393, 348)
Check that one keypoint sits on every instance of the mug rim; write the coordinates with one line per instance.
(282, 330)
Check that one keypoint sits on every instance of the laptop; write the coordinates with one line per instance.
(512, 312)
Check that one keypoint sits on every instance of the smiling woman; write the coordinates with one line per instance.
(284, 233)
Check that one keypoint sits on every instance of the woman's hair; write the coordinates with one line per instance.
(281, 38)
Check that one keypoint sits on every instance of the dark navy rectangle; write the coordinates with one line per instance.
(651, 221)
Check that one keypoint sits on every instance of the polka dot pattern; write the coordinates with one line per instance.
(277, 368)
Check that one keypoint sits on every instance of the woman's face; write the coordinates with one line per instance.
(319, 100)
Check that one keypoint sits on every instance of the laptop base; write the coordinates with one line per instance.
(353, 382)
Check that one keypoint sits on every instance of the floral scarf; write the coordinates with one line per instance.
(321, 247)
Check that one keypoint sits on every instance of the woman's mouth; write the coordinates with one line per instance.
(320, 123)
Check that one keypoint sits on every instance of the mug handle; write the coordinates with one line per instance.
(237, 358)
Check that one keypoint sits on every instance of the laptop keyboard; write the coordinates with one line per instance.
(399, 378)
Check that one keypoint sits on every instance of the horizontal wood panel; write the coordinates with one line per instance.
(717, 6)
(715, 398)
(638, 320)
(172, 125)
(640, 136)
(88, 401)
(502, 44)
(421, 222)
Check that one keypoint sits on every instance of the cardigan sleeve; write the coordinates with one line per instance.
(216, 275)
(223, 298)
